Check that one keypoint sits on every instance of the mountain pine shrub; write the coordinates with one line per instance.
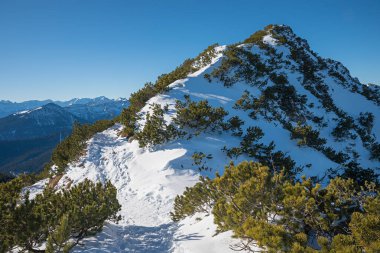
(366, 121)
(199, 159)
(62, 219)
(199, 116)
(155, 130)
(338, 157)
(138, 99)
(205, 58)
(337, 75)
(198, 198)
(256, 38)
(246, 66)
(371, 92)
(343, 128)
(272, 211)
(180, 72)
(234, 125)
(352, 170)
(264, 154)
(274, 98)
(278, 79)
(307, 136)
(58, 239)
(275, 31)
(375, 151)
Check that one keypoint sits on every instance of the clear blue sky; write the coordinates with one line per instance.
(61, 49)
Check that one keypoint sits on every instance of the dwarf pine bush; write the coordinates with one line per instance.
(275, 212)
(54, 217)
(155, 130)
(199, 116)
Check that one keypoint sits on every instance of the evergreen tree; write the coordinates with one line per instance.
(61, 219)
(155, 130)
(279, 214)
(375, 151)
(58, 239)
(264, 154)
(199, 116)
(307, 136)
(342, 129)
(9, 198)
(365, 226)
(138, 99)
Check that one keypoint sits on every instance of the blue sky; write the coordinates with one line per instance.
(62, 49)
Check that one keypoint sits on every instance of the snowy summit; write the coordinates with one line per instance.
(272, 82)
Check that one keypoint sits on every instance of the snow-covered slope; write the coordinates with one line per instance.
(149, 179)
(147, 182)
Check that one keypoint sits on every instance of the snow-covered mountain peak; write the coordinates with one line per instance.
(288, 103)
(275, 82)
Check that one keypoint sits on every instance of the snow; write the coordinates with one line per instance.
(35, 189)
(149, 179)
(147, 183)
(27, 111)
(268, 39)
(36, 109)
(21, 112)
(197, 234)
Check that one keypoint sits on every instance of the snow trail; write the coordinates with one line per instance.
(147, 184)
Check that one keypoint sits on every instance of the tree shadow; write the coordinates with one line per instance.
(189, 237)
(141, 239)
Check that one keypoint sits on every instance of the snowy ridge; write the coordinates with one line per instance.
(149, 179)
(147, 182)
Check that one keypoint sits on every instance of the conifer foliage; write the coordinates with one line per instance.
(61, 219)
(155, 130)
(191, 118)
(199, 116)
(265, 154)
(307, 136)
(138, 99)
(273, 211)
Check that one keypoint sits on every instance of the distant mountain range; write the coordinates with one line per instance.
(30, 130)
(39, 122)
(8, 107)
